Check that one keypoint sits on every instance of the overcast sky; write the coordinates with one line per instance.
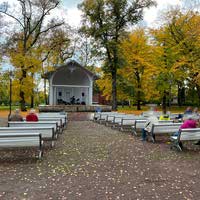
(74, 15)
(70, 12)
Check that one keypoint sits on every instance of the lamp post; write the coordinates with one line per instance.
(10, 102)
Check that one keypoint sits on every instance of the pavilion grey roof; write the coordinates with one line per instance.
(66, 65)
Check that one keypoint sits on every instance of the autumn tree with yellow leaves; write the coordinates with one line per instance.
(139, 69)
(178, 38)
(106, 21)
(22, 46)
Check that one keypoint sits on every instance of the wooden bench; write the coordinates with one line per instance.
(63, 118)
(127, 122)
(36, 124)
(47, 133)
(62, 115)
(101, 116)
(140, 124)
(59, 120)
(163, 128)
(116, 121)
(111, 117)
(104, 116)
(53, 114)
(47, 119)
(192, 134)
(21, 140)
(96, 116)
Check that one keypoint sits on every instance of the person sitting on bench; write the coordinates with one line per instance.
(150, 120)
(32, 117)
(16, 116)
(190, 122)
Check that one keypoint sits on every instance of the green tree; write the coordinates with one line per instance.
(178, 40)
(30, 28)
(139, 68)
(4, 82)
(106, 21)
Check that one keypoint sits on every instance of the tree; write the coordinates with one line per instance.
(55, 49)
(139, 68)
(106, 21)
(23, 42)
(184, 32)
(178, 40)
(4, 82)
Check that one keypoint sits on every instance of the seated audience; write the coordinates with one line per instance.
(32, 117)
(188, 111)
(190, 122)
(147, 128)
(16, 116)
(164, 117)
(196, 113)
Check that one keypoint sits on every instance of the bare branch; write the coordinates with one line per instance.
(4, 10)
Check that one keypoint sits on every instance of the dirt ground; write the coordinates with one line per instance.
(94, 162)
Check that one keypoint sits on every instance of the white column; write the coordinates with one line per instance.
(54, 95)
(50, 92)
(90, 92)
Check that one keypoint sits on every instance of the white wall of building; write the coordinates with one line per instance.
(66, 83)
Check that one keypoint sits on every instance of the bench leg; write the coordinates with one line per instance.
(177, 145)
(40, 155)
(41, 150)
(52, 143)
(153, 138)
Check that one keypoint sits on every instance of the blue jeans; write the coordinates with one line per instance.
(176, 134)
(144, 134)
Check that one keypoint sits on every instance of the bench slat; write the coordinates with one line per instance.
(16, 140)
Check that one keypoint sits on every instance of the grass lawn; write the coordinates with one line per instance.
(133, 109)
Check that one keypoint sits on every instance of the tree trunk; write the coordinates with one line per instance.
(21, 92)
(198, 93)
(164, 104)
(114, 89)
(22, 101)
(138, 102)
(32, 94)
(32, 100)
(181, 94)
(45, 91)
(138, 91)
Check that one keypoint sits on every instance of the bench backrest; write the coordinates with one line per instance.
(52, 114)
(139, 124)
(46, 119)
(189, 134)
(118, 119)
(131, 121)
(46, 132)
(35, 124)
(149, 113)
(52, 118)
(165, 127)
(20, 140)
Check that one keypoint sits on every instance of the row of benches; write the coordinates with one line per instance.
(136, 123)
(33, 134)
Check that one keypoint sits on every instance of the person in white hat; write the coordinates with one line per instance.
(32, 117)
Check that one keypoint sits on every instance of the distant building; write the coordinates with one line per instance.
(70, 83)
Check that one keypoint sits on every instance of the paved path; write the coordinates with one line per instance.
(94, 162)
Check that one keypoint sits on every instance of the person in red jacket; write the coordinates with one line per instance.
(32, 117)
